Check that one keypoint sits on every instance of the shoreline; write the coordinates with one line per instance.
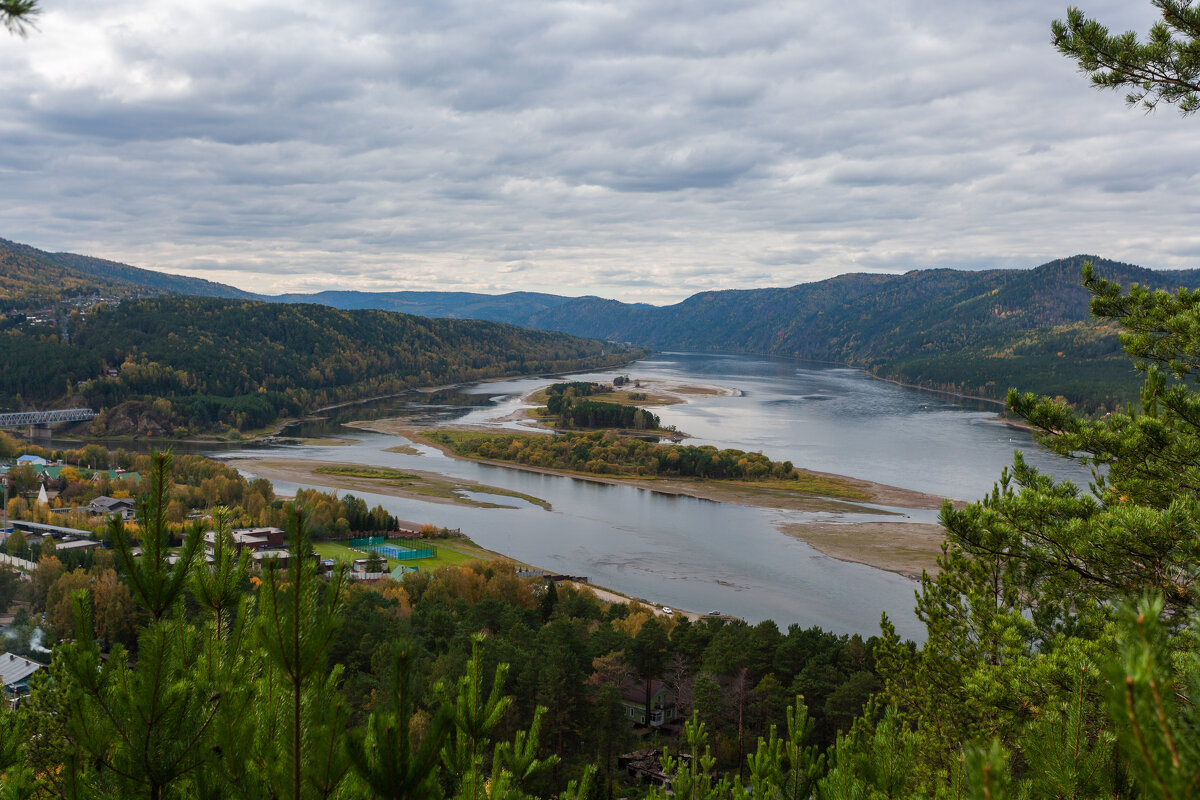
(735, 492)
(902, 547)
(276, 428)
(429, 487)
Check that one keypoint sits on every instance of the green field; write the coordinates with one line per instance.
(447, 554)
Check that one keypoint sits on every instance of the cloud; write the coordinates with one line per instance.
(618, 148)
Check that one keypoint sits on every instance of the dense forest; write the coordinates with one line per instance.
(568, 403)
(187, 364)
(973, 332)
(1060, 659)
(977, 333)
(536, 698)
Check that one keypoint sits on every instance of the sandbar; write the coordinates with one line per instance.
(430, 487)
(906, 548)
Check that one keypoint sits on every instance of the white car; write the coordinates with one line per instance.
(667, 610)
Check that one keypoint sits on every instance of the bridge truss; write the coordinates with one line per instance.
(46, 417)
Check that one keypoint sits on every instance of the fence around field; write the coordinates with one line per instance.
(393, 551)
(404, 553)
(367, 541)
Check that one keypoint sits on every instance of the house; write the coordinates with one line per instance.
(276, 556)
(15, 672)
(255, 540)
(111, 505)
(42, 531)
(116, 475)
(34, 461)
(662, 702)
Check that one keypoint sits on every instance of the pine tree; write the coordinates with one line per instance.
(17, 15)
(386, 755)
(1164, 68)
(140, 728)
(301, 718)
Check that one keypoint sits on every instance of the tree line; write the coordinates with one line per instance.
(606, 453)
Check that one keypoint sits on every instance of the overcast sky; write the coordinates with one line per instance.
(636, 150)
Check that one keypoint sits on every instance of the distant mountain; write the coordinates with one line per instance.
(973, 332)
(514, 307)
(976, 332)
(30, 277)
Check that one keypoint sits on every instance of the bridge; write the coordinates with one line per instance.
(46, 417)
(39, 422)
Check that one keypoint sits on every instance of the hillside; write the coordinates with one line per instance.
(30, 278)
(973, 332)
(189, 365)
(514, 307)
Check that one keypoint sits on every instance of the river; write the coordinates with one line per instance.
(697, 554)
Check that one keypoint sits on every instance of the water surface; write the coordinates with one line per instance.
(696, 554)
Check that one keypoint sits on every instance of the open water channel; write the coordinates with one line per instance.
(697, 554)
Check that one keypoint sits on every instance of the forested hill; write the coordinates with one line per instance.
(974, 332)
(514, 307)
(977, 332)
(190, 364)
(30, 277)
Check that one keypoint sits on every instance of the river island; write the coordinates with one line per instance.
(889, 540)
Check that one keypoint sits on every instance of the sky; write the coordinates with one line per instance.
(642, 151)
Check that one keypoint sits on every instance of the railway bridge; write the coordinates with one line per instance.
(39, 422)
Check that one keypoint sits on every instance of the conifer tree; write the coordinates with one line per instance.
(301, 718)
(17, 15)
(390, 762)
(1164, 68)
(475, 719)
(141, 728)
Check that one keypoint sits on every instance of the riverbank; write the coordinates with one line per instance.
(901, 547)
(430, 487)
(763, 494)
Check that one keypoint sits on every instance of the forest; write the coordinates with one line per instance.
(373, 655)
(1061, 657)
(568, 403)
(188, 365)
(606, 453)
(971, 332)
(32, 278)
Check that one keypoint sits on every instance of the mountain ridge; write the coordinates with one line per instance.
(30, 277)
(968, 331)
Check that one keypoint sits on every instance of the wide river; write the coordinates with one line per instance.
(697, 554)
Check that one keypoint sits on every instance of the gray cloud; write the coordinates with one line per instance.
(626, 148)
